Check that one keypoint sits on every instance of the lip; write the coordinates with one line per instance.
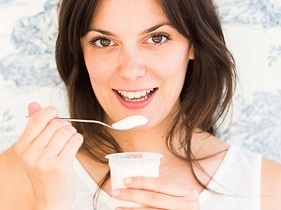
(135, 104)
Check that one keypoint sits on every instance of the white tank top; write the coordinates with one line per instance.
(237, 181)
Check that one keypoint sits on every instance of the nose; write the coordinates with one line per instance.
(131, 63)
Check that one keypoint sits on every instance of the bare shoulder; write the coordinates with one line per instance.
(14, 184)
(270, 185)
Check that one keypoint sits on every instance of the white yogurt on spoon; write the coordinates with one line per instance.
(130, 122)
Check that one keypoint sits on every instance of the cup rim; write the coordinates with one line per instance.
(124, 155)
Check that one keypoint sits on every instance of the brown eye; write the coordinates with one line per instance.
(157, 38)
(105, 42)
(102, 42)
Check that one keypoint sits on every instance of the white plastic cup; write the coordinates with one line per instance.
(129, 164)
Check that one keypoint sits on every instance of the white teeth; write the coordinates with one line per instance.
(131, 95)
(135, 95)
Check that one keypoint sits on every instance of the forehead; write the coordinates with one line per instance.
(127, 14)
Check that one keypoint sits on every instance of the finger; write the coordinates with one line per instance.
(71, 148)
(37, 123)
(31, 153)
(60, 140)
(33, 107)
(156, 184)
(159, 200)
(44, 138)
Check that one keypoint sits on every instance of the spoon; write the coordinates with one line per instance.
(124, 124)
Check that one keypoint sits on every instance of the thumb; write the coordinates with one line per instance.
(33, 107)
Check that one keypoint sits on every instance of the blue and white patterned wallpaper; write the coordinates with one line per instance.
(28, 30)
(253, 34)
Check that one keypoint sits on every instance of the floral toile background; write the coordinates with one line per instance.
(253, 34)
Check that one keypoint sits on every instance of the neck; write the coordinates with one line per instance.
(150, 140)
(154, 140)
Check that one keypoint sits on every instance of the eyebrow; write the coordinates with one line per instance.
(153, 28)
(149, 30)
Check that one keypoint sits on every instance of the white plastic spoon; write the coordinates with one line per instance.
(124, 124)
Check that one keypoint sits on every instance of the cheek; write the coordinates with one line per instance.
(98, 77)
(173, 66)
(98, 71)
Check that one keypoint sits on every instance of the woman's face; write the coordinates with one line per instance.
(136, 59)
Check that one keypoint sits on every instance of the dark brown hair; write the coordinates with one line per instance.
(208, 87)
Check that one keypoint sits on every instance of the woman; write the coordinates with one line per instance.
(163, 59)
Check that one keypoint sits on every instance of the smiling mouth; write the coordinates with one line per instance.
(137, 96)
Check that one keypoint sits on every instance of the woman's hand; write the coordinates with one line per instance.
(157, 193)
(46, 150)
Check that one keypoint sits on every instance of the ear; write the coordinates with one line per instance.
(191, 52)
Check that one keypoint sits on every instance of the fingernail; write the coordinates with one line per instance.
(128, 180)
(115, 193)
